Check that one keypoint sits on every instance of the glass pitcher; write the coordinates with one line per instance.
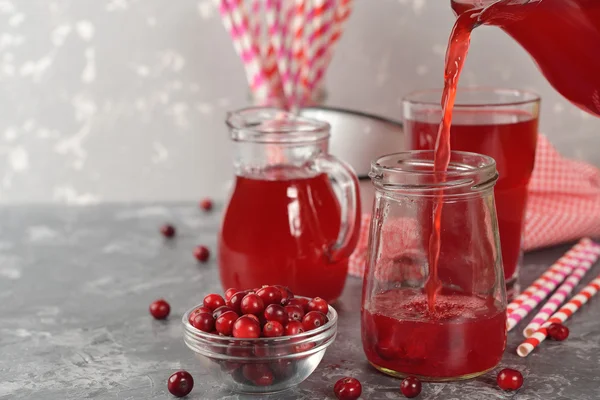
(562, 36)
(294, 216)
(460, 331)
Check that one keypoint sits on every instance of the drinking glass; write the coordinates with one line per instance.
(500, 123)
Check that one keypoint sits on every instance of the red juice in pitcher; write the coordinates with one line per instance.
(562, 36)
(277, 229)
(464, 335)
(508, 136)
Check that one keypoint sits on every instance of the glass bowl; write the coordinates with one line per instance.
(261, 365)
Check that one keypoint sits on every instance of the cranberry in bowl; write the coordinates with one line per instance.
(261, 364)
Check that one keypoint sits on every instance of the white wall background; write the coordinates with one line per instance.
(124, 100)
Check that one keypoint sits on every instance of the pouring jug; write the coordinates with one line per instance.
(562, 36)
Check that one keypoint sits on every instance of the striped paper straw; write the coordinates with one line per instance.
(560, 316)
(343, 9)
(297, 51)
(559, 297)
(547, 277)
(323, 23)
(237, 24)
(535, 299)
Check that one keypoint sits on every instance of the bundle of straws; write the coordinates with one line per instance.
(285, 45)
(558, 282)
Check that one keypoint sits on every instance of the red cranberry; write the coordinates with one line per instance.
(246, 327)
(558, 332)
(313, 320)
(269, 295)
(259, 374)
(509, 379)
(224, 324)
(299, 301)
(410, 387)
(293, 328)
(229, 293)
(203, 321)
(198, 311)
(286, 294)
(167, 230)
(220, 311)
(275, 312)
(235, 301)
(272, 329)
(347, 389)
(201, 253)
(206, 204)
(255, 318)
(160, 309)
(295, 313)
(180, 384)
(252, 304)
(213, 301)
(282, 369)
(318, 304)
(238, 350)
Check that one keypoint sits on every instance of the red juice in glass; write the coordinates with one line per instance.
(487, 122)
(463, 337)
(278, 230)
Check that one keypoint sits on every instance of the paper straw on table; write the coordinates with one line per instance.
(559, 297)
(555, 272)
(560, 316)
(570, 261)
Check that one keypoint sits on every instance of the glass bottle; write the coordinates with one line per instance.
(457, 330)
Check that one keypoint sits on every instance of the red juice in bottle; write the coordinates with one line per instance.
(508, 136)
(277, 229)
(463, 337)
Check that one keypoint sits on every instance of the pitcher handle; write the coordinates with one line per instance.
(344, 179)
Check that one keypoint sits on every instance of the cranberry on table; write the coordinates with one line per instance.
(410, 387)
(509, 379)
(213, 301)
(203, 321)
(347, 389)
(252, 304)
(160, 309)
(224, 324)
(269, 295)
(295, 313)
(558, 332)
(318, 304)
(273, 329)
(180, 384)
(293, 328)
(246, 327)
(167, 230)
(275, 312)
(201, 253)
(230, 292)
(206, 204)
(313, 320)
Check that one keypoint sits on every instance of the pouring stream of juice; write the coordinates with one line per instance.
(563, 36)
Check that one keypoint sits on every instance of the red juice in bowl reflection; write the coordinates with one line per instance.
(463, 337)
(508, 136)
(277, 229)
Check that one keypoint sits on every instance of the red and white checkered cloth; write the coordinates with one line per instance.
(563, 204)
